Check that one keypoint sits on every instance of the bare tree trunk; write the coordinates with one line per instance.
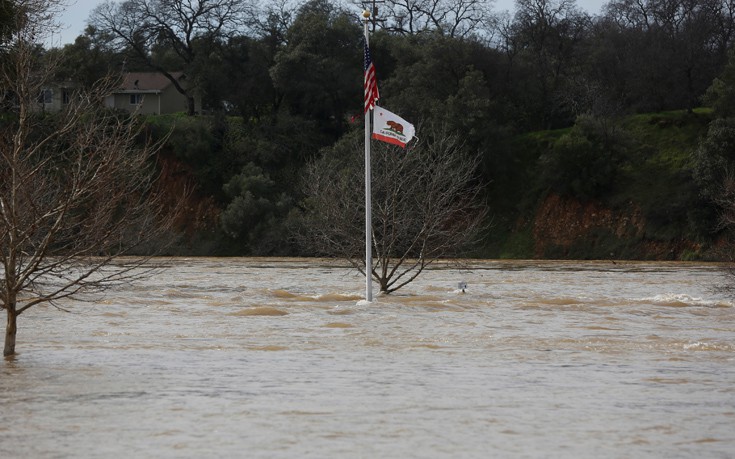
(11, 329)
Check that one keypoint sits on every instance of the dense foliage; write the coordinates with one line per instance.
(549, 98)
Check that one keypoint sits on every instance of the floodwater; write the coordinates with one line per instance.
(269, 358)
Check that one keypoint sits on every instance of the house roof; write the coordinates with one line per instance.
(146, 82)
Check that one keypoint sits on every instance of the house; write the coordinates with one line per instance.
(150, 93)
(55, 97)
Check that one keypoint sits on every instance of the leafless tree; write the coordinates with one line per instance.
(188, 28)
(275, 19)
(77, 192)
(426, 205)
(454, 18)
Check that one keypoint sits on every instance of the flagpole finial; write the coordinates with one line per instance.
(366, 14)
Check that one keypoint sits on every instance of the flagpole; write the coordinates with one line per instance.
(368, 200)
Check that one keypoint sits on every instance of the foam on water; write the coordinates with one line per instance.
(684, 300)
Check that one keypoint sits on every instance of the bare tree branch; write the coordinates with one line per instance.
(454, 18)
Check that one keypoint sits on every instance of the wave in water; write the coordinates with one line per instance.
(682, 300)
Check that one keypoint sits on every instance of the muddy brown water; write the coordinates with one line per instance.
(280, 358)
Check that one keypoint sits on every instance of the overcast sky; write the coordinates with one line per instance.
(74, 20)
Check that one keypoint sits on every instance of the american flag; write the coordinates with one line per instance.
(371, 83)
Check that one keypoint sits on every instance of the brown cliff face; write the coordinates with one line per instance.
(565, 227)
(176, 181)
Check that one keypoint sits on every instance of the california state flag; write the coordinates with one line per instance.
(391, 128)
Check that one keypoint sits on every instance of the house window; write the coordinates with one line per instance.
(136, 99)
(65, 96)
(46, 96)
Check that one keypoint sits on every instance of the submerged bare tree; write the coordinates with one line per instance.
(426, 205)
(77, 191)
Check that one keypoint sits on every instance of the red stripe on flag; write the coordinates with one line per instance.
(371, 83)
(387, 139)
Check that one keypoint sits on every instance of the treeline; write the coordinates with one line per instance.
(283, 81)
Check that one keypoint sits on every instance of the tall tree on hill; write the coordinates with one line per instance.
(252, 93)
(76, 190)
(87, 60)
(549, 34)
(7, 23)
(669, 50)
(452, 18)
(318, 71)
(188, 30)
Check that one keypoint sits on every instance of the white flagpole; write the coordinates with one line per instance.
(368, 201)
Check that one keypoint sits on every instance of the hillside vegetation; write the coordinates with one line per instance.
(638, 201)
(587, 131)
(593, 191)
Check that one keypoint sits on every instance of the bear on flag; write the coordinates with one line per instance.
(391, 128)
